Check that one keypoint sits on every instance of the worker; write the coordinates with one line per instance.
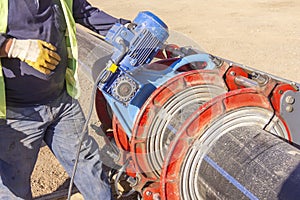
(39, 91)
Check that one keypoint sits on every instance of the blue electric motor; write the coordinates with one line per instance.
(137, 44)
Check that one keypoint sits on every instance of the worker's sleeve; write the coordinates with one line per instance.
(93, 18)
(3, 37)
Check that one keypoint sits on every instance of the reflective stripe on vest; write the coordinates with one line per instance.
(72, 82)
(3, 27)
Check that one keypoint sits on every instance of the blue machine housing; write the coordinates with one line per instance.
(132, 83)
(137, 46)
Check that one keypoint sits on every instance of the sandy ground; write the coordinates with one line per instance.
(263, 34)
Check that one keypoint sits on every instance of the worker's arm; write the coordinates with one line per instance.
(93, 18)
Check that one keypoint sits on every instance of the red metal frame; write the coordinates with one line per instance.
(154, 104)
(102, 111)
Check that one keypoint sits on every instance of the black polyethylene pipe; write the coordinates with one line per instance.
(93, 53)
(250, 163)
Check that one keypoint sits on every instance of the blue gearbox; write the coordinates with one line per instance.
(134, 45)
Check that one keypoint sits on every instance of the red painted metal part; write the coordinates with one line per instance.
(122, 141)
(275, 99)
(102, 111)
(151, 191)
(277, 94)
(194, 127)
(154, 104)
(233, 72)
(120, 136)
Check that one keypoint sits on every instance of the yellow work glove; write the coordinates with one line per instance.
(38, 54)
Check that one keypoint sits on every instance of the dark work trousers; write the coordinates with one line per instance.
(59, 124)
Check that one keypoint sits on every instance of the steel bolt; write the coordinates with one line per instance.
(289, 108)
(232, 73)
(290, 99)
(148, 193)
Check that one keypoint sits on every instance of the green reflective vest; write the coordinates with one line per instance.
(72, 83)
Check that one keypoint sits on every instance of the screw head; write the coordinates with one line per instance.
(289, 108)
(148, 193)
(232, 73)
(290, 99)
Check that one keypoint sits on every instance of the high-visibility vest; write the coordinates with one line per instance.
(72, 83)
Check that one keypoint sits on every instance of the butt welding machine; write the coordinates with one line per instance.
(127, 82)
(191, 125)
